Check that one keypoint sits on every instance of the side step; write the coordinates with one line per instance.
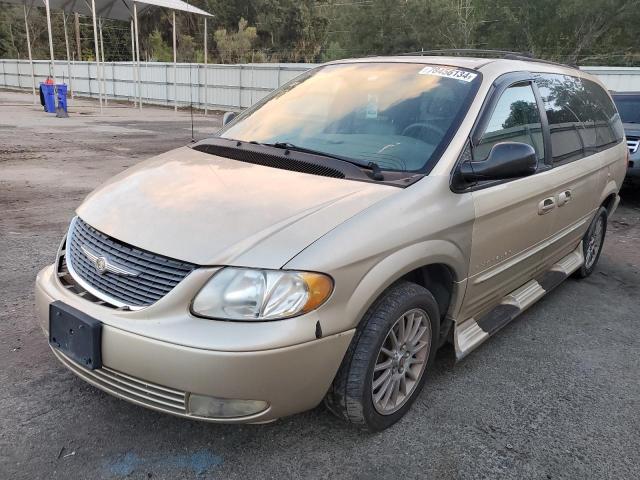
(471, 333)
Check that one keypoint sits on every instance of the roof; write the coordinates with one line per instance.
(492, 67)
(113, 9)
(464, 62)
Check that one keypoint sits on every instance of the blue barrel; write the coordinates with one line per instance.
(62, 96)
(47, 91)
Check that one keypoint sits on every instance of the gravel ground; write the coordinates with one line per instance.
(556, 394)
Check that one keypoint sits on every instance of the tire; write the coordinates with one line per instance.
(592, 243)
(352, 396)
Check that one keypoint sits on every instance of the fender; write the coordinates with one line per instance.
(401, 262)
(611, 188)
(616, 169)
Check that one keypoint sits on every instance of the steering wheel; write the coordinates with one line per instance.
(423, 126)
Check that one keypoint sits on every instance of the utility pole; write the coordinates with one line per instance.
(175, 66)
(66, 44)
(206, 83)
(77, 25)
(53, 66)
(33, 75)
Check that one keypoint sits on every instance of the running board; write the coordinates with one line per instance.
(472, 333)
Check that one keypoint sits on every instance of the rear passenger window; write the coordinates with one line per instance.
(561, 96)
(603, 115)
(515, 118)
(582, 118)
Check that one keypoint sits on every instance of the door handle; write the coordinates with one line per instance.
(564, 197)
(546, 205)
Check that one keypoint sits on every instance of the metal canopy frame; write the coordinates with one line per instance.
(31, 4)
(129, 10)
(116, 10)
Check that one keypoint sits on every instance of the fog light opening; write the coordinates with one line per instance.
(212, 407)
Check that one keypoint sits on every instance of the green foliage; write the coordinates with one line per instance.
(602, 32)
(7, 46)
(235, 47)
(333, 52)
(158, 50)
(186, 49)
(522, 113)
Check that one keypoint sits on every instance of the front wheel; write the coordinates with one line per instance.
(592, 243)
(384, 368)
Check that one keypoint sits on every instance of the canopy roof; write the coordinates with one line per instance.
(114, 9)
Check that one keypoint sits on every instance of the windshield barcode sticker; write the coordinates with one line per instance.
(449, 72)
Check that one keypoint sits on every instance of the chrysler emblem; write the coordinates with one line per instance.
(103, 265)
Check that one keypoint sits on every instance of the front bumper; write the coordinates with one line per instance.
(144, 364)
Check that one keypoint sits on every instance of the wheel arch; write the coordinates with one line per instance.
(436, 265)
(609, 202)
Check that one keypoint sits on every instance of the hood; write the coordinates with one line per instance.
(211, 210)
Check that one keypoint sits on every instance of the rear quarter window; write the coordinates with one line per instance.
(582, 117)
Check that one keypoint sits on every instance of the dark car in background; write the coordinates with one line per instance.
(628, 104)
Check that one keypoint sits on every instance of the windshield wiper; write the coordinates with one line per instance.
(375, 168)
(296, 148)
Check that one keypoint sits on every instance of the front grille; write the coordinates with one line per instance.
(633, 143)
(155, 275)
(130, 388)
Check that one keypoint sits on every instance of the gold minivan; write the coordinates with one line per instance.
(328, 240)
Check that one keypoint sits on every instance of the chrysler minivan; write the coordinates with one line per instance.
(329, 239)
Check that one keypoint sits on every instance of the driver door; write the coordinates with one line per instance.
(513, 218)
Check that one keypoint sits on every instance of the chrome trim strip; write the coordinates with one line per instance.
(108, 265)
(93, 291)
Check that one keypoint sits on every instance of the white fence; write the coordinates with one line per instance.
(619, 79)
(228, 86)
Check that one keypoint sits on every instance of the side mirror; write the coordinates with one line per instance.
(506, 160)
(227, 117)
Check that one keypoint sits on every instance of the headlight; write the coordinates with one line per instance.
(246, 294)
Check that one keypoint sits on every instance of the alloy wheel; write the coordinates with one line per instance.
(594, 243)
(401, 361)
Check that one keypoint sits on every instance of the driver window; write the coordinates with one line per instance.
(515, 119)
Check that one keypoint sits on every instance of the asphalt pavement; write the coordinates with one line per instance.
(554, 395)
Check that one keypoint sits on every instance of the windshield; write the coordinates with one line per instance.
(400, 116)
(628, 107)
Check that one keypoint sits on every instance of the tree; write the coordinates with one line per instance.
(235, 47)
(602, 32)
(158, 50)
(333, 52)
(522, 113)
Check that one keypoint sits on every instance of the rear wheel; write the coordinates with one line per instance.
(384, 368)
(592, 243)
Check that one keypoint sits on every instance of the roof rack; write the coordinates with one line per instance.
(486, 53)
(469, 51)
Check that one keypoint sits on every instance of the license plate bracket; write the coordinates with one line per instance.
(75, 334)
